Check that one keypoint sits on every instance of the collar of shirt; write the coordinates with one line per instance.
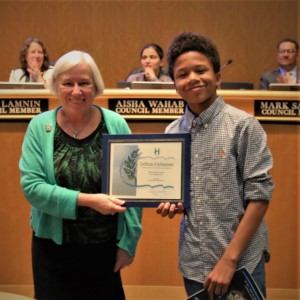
(293, 71)
(206, 116)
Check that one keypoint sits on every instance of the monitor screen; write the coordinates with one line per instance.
(4, 85)
(135, 85)
(236, 86)
(284, 87)
(124, 84)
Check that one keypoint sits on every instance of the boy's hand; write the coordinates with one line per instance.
(170, 210)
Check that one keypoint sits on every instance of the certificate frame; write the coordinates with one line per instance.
(147, 169)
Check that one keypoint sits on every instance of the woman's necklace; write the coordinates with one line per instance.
(76, 133)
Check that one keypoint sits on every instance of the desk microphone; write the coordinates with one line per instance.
(229, 61)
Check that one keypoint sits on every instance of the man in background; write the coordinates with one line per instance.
(288, 72)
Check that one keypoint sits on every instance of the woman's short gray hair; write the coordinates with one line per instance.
(70, 60)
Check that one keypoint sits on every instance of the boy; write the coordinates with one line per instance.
(230, 190)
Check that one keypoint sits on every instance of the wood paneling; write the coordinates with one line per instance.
(115, 31)
(156, 259)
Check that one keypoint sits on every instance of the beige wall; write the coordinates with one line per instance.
(114, 31)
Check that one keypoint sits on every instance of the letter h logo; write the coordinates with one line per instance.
(156, 151)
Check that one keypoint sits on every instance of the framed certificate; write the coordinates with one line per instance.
(146, 169)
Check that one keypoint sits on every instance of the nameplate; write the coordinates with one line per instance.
(158, 108)
(277, 110)
(22, 108)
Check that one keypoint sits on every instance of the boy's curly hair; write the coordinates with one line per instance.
(188, 41)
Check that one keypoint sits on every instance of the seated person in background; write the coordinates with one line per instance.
(34, 63)
(151, 61)
(288, 72)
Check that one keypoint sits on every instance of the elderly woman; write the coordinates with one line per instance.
(34, 63)
(152, 66)
(81, 237)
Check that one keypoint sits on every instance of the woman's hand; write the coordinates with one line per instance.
(150, 74)
(102, 203)
(123, 260)
(36, 75)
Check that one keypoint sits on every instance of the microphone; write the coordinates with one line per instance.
(229, 61)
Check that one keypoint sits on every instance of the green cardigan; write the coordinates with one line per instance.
(50, 203)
